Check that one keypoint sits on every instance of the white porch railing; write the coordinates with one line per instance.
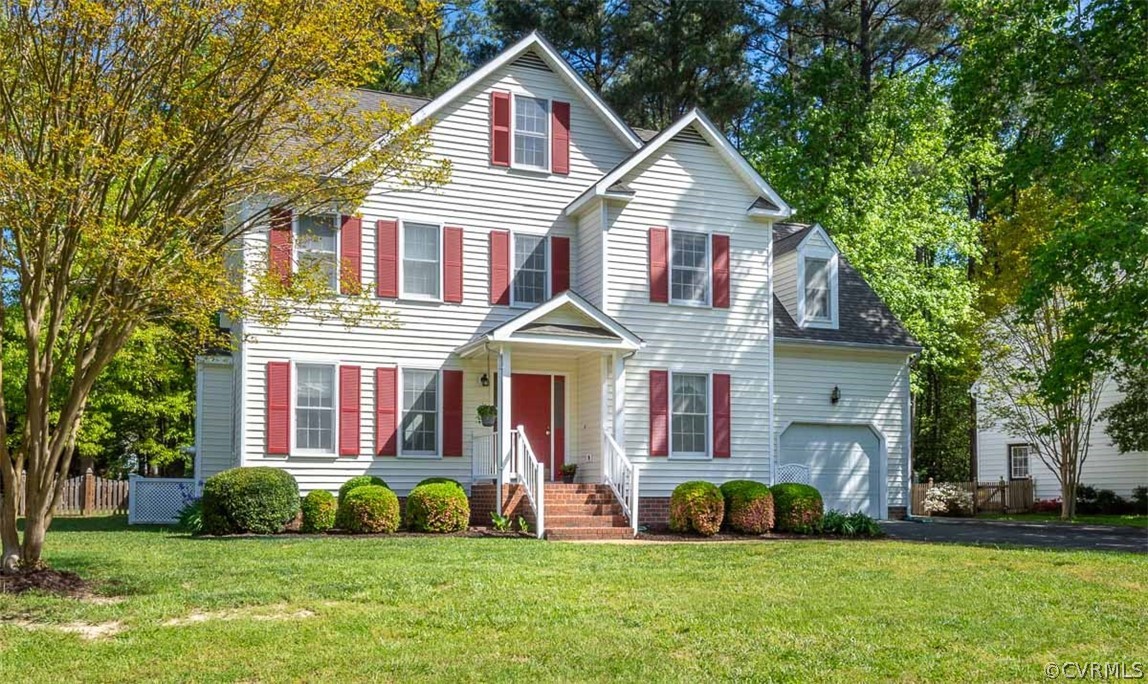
(622, 477)
(484, 458)
(527, 471)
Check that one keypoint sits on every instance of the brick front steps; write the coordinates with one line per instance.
(584, 511)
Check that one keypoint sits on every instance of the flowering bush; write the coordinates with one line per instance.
(748, 506)
(696, 506)
(797, 508)
(1047, 506)
(948, 499)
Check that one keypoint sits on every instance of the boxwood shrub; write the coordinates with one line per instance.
(368, 509)
(696, 506)
(441, 480)
(438, 507)
(318, 511)
(359, 481)
(748, 506)
(797, 508)
(260, 500)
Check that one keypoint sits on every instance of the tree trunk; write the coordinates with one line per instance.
(9, 535)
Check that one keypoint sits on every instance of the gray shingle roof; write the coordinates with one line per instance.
(644, 133)
(371, 100)
(863, 317)
(763, 203)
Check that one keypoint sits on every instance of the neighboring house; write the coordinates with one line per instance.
(635, 301)
(1004, 457)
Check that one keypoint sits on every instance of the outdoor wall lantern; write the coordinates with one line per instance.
(484, 380)
(835, 395)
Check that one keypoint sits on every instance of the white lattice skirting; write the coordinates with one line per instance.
(158, 500)
(793, 472)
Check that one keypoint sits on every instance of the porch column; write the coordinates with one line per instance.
(504, 426)
(619, 398)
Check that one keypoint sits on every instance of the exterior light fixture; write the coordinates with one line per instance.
(484, 380)
(835, 395)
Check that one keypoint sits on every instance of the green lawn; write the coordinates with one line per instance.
(347, 609)
(1121, 520)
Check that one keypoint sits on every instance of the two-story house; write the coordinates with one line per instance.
(632, 302)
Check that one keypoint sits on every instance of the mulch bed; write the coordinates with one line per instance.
(46, 580)
(725, 536)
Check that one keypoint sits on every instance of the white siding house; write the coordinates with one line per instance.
(614, 298)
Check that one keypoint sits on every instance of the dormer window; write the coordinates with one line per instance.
(531, 132)
(818, 299)
(817, 263)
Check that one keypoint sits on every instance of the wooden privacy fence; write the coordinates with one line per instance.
(1003, 496)
(84, 495)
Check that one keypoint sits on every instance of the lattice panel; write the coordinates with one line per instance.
(793, 472)
(155, 501)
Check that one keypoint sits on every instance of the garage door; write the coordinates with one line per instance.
(841, 461)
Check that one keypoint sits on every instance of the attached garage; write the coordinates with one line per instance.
(842, 461)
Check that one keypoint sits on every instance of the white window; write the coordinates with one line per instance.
(529, 269)
(689, 267)
(422, 254)
(531, 132)
(317, 246)
(689, 411)
(818, 290)
(1018, 459)
(420, 412)
(315, 407)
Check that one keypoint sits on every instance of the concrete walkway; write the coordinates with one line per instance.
(1030, 534)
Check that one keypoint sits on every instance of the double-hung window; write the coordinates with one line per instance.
(689, 267)
(529, 269)
(317, 247)
(689, 407)
(422, 254)
(315, 407)
(1018, 459)
(420, 412)
(818, 292)
(531, 132)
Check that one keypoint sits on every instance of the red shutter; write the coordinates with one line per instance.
(659, 265)
(351, 259)
(499, 267)
(387, 258)
(559, 265)
(721, 415)
(278, 408)
(560, 138)
(499, 128)
(386, 411)
(452, 413)
(659, 413)
(720, 249)
(452, 265)
(349, 422)
(281, 242)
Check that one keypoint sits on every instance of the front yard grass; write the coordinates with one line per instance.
(1120, 520)
(424, 608)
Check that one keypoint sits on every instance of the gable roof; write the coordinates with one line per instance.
(863, 317)
(710, 133)
(546, 51)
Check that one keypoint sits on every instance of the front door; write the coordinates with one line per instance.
(532, 408)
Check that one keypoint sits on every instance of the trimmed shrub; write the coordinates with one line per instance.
(1140, 500)
(441, 480)
(368, 509)
(797, 508)
(851, 525)
(318, 511)
(1046, 506)
(748, 506)
(697, 506)
(438, 507)
(260, 500)
(359, 481)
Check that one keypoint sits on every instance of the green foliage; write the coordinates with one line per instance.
(441, 480)
(191, 517)
(368, 509)
(797, 508)
(319, 508)
(359, 481)
(438, 507)
(850, 525)
(258, 500)
(748, 506)
(500, 523)
(697, 506)
(523, 526)
(1126, 421)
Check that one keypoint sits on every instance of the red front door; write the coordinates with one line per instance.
(530, 407)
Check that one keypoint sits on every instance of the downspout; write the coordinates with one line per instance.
(770, 351)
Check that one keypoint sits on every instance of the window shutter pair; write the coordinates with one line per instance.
(387, 261)
(660, 414)
(282, 242)
(659, 247)
(500, 258)
(501, 145)
(350, 414)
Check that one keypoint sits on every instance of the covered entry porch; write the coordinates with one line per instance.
(554, 377)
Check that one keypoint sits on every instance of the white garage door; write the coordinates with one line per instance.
(841, 461)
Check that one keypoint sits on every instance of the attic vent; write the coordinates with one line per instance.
(531, 60)
(690, 135)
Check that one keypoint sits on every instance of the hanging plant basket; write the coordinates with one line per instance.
(487, 415)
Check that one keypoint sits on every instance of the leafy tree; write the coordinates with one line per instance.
(137, 143)
(1127, 419)
(438, 56)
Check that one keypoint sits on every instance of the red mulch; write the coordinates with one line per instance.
(46, 580)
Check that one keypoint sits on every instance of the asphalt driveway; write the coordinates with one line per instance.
(1006, 533)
